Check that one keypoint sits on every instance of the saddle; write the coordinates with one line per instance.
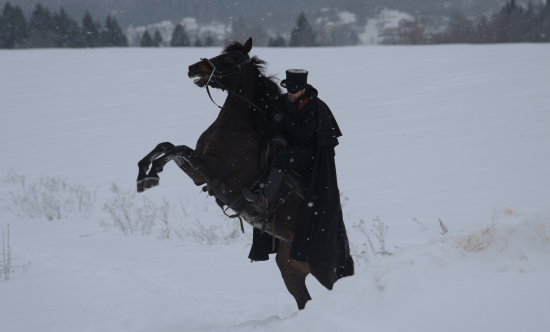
(293, 186)
(293, 183)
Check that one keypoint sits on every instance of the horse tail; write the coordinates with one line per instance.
(346, 270)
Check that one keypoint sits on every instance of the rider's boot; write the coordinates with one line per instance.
(265, 198)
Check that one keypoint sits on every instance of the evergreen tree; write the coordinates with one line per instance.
(484, 32)
(179, 37)
(278, 41)
(42, 31)
(90, 31)
(157, 38)
(13, 26)
(41, 21)
(242, 30)
(303, 34)
(146, 40)
(112, 35)
(209, 40)
(543, 31)
(461, 30)
(198, 42)
(503, 22)
(67, 30)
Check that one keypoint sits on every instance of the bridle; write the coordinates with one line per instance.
(217, 75)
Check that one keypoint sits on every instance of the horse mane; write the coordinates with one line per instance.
(267, 87)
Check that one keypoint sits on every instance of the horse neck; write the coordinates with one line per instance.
(236, 109)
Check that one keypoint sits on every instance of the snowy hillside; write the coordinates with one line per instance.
(443, 168)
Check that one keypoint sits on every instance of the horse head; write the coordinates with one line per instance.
(222, 71)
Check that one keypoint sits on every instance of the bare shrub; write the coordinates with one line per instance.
(5, 266)
(443, 228)
(6, 263)
(133, 217)
(49, 197)
(204, 235)
(376, 239)
(14, 177)
(215, 234)
(421, 224)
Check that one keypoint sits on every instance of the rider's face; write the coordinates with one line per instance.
(292, 97)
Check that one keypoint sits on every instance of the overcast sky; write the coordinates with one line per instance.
(140, 12)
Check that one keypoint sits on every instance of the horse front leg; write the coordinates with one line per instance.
(143, 164)
(192, 163)
(197, 177)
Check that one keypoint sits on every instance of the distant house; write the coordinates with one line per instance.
(395, 27)
(389, 36)
(386, 28)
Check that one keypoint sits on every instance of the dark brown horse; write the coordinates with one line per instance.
(227, 157)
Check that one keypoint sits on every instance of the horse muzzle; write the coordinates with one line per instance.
(200, 73)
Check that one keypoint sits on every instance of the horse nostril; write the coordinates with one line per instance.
(193, 69)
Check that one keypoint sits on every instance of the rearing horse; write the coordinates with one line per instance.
(227, 157)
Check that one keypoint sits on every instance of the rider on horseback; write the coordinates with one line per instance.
(310, 134)
(295, 126)
(309, 234)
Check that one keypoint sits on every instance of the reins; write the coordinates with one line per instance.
(231, 71)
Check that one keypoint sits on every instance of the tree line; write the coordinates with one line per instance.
(47, 29)
(59, 30)
(179, 38)
(511, 24)
(302, 34)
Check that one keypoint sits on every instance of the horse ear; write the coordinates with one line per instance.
(248, 45)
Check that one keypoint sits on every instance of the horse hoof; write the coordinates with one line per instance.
(140, 186)
(150, 182)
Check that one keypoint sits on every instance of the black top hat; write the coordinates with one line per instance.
(296, 80)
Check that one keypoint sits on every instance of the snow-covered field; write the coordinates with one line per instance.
(435, 137)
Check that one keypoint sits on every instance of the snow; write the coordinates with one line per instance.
(347, 17)
(456, 134)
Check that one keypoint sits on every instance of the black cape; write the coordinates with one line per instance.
(320, 237)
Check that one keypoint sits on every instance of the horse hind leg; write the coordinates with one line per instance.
(326, 276)
(294, 274)
(143, 164)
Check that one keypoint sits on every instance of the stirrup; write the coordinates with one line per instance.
(261, 205)
(249, 196)
(257, 201)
